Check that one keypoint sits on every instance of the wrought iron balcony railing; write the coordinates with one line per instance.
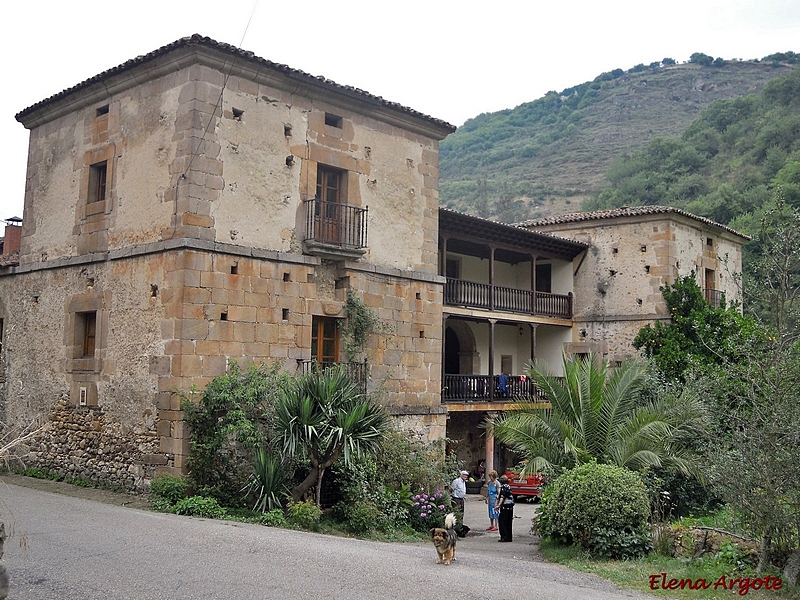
(358, 371)
(476, 388)
(713, 297)
(335, 224)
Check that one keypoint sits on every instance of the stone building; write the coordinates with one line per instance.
(633, 252)
(200, 204)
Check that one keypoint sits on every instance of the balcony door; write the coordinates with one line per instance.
(324, 340)
(328, 212)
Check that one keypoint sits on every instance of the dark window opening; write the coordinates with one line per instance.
(333, 120)
(453, 268)
(235, 269)
(223, 316)
(709, 242)
(285, 314)
(287, 277)
(98, 174)
(544, 275)
(103, 110)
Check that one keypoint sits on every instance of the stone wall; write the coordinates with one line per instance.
(82, 443)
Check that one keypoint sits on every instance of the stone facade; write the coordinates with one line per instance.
(172, 223)
(632, 253)
(199, 205)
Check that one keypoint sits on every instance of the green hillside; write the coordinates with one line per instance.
(727, 164)
(549, 156)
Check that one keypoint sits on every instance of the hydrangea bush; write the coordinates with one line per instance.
(429, 510)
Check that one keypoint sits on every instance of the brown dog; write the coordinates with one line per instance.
(445, 540)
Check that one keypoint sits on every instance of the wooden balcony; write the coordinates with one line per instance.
(459, 292)
(476, 388)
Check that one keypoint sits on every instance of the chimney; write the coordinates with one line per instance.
(13, 236)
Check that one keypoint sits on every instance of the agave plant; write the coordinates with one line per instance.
(269, 481)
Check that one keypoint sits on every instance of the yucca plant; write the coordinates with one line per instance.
(269, 482)
(325, 417)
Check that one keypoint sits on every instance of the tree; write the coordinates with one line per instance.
(701, 59)
(599, 414)
(698, 335)
(753, 457)
(324, 417)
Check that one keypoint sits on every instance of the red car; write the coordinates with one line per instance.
(529, 486)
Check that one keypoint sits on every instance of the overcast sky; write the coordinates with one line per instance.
(449, 59)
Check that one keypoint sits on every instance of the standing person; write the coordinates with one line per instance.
(458, 492)
(505, 503)
(492, 491)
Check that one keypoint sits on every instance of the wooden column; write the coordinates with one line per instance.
(491, 358)
(489, 463)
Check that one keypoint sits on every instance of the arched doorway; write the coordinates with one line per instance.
(460, 354)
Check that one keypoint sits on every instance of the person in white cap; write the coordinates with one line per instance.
(458, 491)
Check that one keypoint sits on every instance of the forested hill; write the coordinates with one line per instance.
(549, 156)
(734, 159)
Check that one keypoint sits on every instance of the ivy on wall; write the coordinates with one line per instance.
(360, 323)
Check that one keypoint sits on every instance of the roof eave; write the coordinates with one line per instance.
(231, 60)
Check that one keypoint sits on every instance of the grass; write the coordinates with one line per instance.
(636, 574)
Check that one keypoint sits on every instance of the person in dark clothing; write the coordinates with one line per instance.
(505, 504)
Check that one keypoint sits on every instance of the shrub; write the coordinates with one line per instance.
(169, 489)
(200, 506)
(602, 507)
(274, 518)
(357, 518)
(228, 422)
(428, 510)
(270, 480)
(305, 515)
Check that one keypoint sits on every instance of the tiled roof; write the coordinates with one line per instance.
(625, 211)
(484, 230)
(198, 40)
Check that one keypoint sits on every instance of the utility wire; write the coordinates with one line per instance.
(218, 105)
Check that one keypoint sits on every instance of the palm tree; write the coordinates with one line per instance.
(599, 414)
(325, 417)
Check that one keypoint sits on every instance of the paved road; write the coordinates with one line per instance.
(67, 548)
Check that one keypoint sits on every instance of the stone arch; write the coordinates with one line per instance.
(461, 348)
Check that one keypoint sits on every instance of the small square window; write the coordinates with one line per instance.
(98, 174)
(103, 110)
(709, 242)
(333, 120)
